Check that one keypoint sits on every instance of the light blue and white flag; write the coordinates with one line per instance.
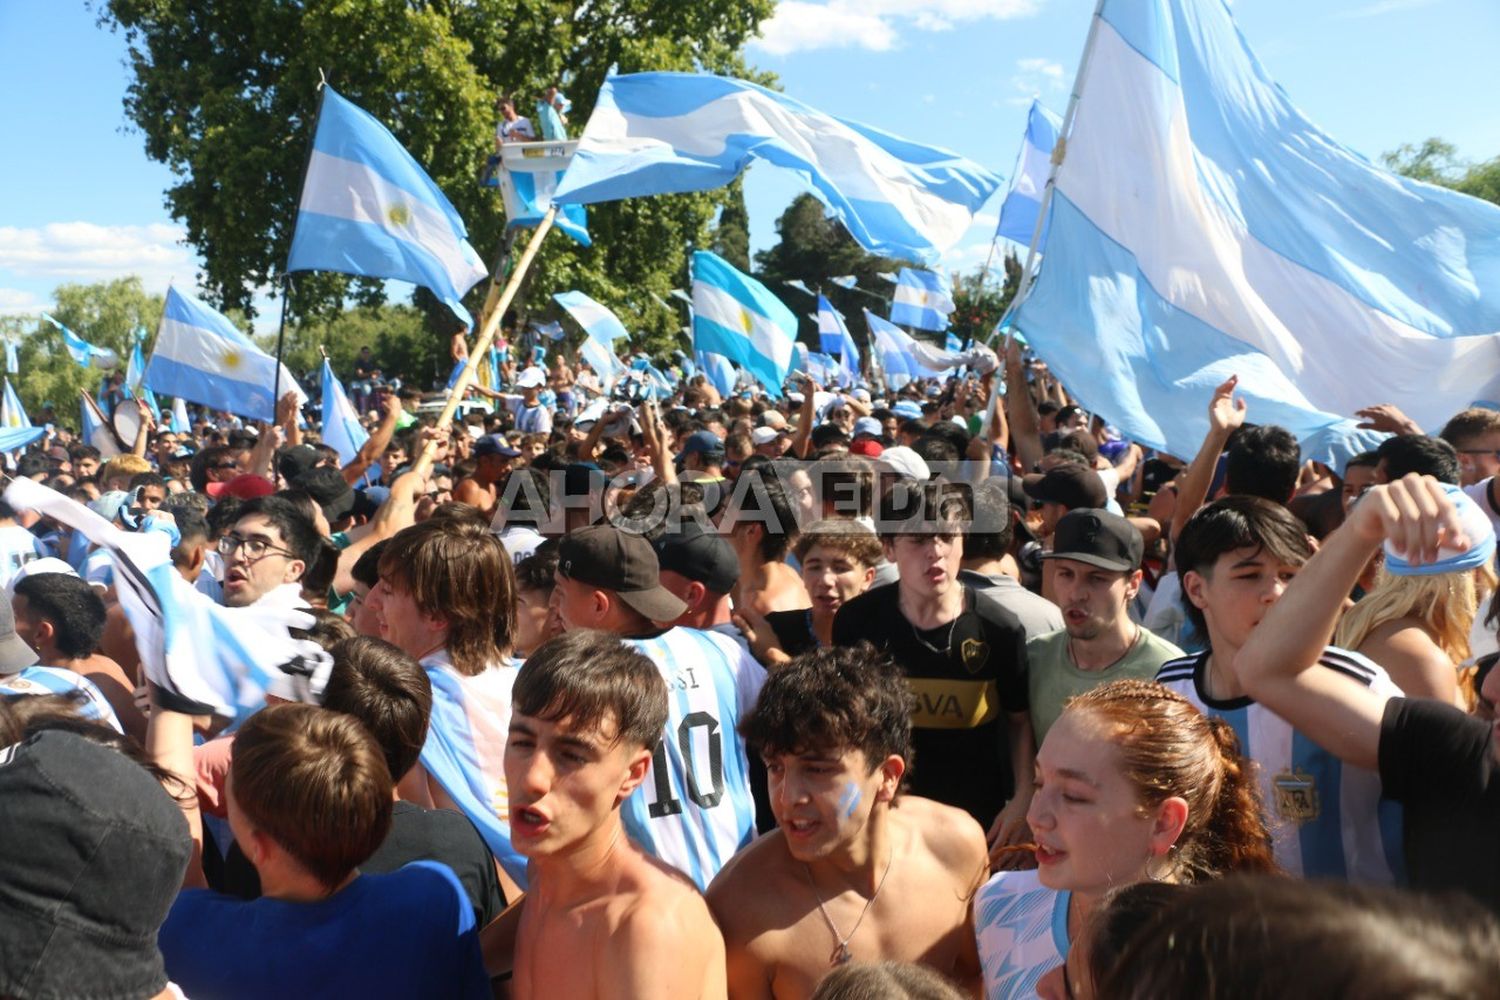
(12, 359)
(180, 422)
(657, 133)
(534, 188)
(93, 427)
(552, 331)
(201, 356)
(205, 657)
(596, 318)
(87, 355)
(719, 370)
(923, 300)
(738, 317)
(1248, 242)
(800, 285)
(1023, 202)
(368, 208)
(678, 293)
(12, 413)
(601, 357)
(135, 373)
(896, 350)
(13, 439)
(835, 338)
(953, 342)
(342, 430)
(845, 280)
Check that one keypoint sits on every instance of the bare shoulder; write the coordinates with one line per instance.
(741, 895)
(663, 940)
(951, 835)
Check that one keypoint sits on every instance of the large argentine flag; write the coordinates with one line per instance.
(923, 300)
(368, 208)
(596, 319)
(342, 430)
(1018, 213)
(659, 133)
(1248, 242)
(201, 356)
(12, 413)
(738, 317)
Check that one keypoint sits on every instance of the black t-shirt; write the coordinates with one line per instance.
(793, 630)
(417, 834)
(1440, 764)
(964, 680)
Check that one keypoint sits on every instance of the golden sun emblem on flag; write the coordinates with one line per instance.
(399, 215)
(746, 322)
(232, 360)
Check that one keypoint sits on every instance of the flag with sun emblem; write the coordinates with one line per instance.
(202, 357)
(738, 317)
(368, 208)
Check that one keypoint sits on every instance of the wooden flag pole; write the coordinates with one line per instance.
(492, 322)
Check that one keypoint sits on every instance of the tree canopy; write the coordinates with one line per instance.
(224, 92)
(1437, 162)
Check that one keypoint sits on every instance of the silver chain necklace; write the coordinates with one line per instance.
(840, 954)
(947, 647)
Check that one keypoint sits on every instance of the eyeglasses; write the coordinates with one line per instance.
(256, 549)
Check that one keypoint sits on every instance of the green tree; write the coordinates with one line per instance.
(225, 91)
(813, 248)
(731, 239)
(1437, 162)
(981, 298)
(394, 333)
(105, 314)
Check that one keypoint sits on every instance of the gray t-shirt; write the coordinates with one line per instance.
(1053, 677)
(1037, 614)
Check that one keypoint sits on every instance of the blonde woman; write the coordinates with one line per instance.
(1415, 621)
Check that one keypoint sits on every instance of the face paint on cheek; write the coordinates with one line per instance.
(849, 801)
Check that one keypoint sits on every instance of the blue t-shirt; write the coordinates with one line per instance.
(410, 933)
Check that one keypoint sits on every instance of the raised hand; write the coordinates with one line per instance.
(1225, 412)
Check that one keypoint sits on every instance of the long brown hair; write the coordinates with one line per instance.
(1170, 749)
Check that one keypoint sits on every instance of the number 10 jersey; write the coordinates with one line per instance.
(694, 810)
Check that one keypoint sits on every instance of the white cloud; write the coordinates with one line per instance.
(875, 25)
(1035, 77)
(14, 301)
(85, 251)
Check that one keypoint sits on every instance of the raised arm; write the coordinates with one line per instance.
(802, 440)
(143, 432)
(1025, 423)
(370, 452)
(1225, 413)
(1279, 663)
(169, 742)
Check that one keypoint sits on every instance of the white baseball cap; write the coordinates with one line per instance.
(531, 378)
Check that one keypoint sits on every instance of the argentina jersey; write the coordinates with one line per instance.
(1021, 928)
(694, 809)
(1327, 818)
(60, 681)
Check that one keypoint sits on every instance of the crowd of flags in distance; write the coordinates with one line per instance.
(1323, 281)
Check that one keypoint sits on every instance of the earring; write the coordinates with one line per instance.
(1171, 864)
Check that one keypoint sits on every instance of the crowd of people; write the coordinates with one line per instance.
(934, 690)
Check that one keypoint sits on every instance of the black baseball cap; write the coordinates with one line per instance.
(296, 461)
(97, 853)
(1099, 538)
(603, 556)
(327, 485)
(1073, 486)
(699, 555)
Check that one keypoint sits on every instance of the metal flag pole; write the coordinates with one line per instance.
(286, 295)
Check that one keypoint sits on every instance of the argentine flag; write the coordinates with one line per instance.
(368, 208)
(736, 316)
(342, 430)
(534, 188)
(12, 359)
(922, 301)
(180, 422)
(201, 356)
(833, 333)
(12, 413)
(87, 355)
(719, 371)
(1018, 213)
(1248, 242)
(896, 349)
(595, 318)
(601, 357)
(659, 133)
(135, 372)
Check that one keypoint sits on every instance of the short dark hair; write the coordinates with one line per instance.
(538, 570)
(74, 608)
(31, 463)
(761, 493)
(146, 479)
(846, 483)
(926, 508)
(296, 528)
(1237, 522)
(935, 449)
(316, 783)
(591, 677)
(1263, 461)
(387, 691)
(222, 515)
(366, 568)
(1364, 460)
(990, 533)
(831, 700)
(1419, 453)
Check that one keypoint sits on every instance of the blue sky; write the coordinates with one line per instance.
(81, 202)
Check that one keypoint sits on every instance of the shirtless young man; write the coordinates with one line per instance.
(481, 488)
(856, 872)
(601, 918)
